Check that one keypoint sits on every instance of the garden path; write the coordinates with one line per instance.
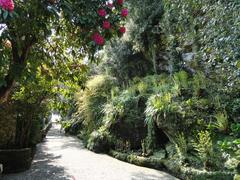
(63, 157)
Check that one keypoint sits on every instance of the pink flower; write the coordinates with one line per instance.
(124, 12)
(122, 30)
(120, 2)
(106, 25)
(110, 5)
(98, 39)
(102, 12)
(7, 5)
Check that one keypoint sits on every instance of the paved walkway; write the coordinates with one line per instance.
(63, 157)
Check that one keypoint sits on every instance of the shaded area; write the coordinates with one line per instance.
(16, 160)
(43, 167)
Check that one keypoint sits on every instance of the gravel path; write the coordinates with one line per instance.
(63, 157)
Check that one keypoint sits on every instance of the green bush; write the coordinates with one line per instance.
(91, 100)
(209, 30)
(99, 141)
(29, 123)
(196, 43)
(129, 120)
(204, 147)
(124, 117)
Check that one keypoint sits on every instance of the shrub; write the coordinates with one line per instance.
(181, 146)
(126, 117)
(123, 114)
(99, 141)
(204, 147)
(222, 123)
(208, 29)
(90, 101)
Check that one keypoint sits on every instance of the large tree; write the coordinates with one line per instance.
(58, 33)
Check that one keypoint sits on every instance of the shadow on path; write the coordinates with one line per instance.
(62, 157)
(44, 166)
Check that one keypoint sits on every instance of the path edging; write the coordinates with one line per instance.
(171, 167)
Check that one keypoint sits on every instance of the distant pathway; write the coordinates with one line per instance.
(63, 157)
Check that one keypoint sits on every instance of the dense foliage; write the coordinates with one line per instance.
(32, 36)
(45, 48)
(177, 97)
(168, 91)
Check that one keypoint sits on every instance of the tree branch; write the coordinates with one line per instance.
(16, 68)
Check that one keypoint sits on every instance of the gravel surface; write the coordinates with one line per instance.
(63, 157)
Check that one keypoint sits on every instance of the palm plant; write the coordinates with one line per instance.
(222, 122)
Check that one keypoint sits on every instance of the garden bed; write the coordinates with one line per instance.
(139, 160)
(16, 160)
(186, 173)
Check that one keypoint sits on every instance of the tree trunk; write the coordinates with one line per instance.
(16, 68)
(5, 90)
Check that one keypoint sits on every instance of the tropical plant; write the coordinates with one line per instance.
(91, 101)
(181, 146)
(181, 79)
(203, 145)
(222, 123)
(235, 128)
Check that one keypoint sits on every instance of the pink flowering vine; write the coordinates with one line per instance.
(110, 5)
(108, 22)
(102, 12)
(106, 25)
(7, 5)
(124, 12)
(98, 39)
(120, 2)
(122, 30)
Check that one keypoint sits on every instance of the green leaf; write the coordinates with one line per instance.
(75, 78)
(5, 14)
(238, 64)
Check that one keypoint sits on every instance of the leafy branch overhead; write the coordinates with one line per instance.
(34, 30)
